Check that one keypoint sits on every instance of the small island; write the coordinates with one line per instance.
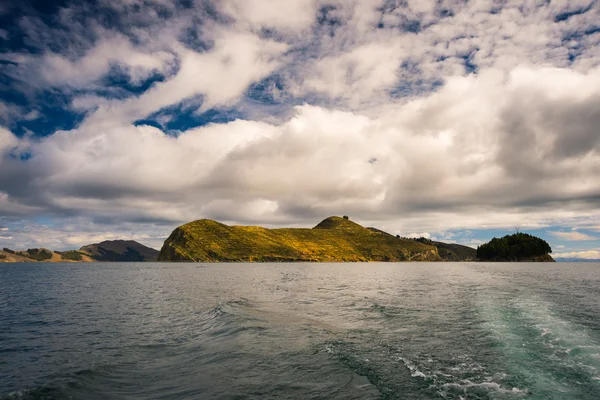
(516, 247)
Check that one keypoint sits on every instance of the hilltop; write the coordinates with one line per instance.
(334, 239)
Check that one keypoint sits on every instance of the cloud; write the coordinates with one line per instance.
(57, 70)
(449, 153)
(7, 142)
(236, 59)
(412, 116)
(284, 15)
(585, 255)
(73, 233)
(426, 235)
(572, 236)
(357, 74)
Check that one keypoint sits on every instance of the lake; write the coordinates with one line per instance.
(296, 331)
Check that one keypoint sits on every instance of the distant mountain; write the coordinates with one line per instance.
(334, 239)
(447, 251)
(42, 255)
(577, 259)
(517, 247)
(120, 250)
(452, 251)
(110, 250)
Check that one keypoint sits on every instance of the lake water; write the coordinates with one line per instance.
(297, 331)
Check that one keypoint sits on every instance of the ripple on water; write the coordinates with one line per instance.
(340, 331)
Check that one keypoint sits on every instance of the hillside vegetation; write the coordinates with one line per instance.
(335, 239)
(517, 247)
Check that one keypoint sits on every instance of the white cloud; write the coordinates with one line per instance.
(425, 235)
(285, 15)
(453, 159)
(78, 71)
(572, 236)
(57, 70)
(585, 255)
(396, 128)
(73, 233)
(7, 141)
(220, 75)
(357, 74)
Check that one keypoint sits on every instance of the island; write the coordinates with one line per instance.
(108, 250)
(335, 239)
(516, 247)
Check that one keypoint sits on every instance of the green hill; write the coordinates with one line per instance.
(517, 247)
(335, 239)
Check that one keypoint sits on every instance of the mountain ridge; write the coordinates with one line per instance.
(335, 239)
(108, 250)
(120, 250)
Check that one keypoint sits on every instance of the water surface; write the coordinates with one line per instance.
(340, 331)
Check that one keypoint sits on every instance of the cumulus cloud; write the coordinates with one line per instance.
(584, 255)
(57, 70)
(7, 141)
(452, 151)
(412, 117)
(236, 59)
(284, 15)
(73, 233)
(573, 235)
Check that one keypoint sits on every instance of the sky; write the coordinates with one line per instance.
(454, 120)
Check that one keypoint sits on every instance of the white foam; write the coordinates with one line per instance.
(490, 386)
(545, 331)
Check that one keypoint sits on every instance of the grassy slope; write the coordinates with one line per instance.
(334, 239)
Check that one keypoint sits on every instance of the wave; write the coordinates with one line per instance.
(547, 351)
(397, 376)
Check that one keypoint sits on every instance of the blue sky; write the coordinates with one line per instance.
(455, 120)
